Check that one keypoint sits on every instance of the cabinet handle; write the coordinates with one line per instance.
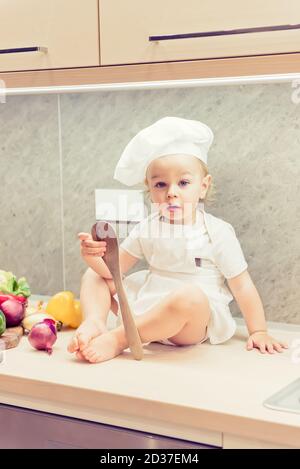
(24, 49)
(261, 29)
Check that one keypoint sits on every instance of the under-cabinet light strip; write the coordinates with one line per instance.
(145, 85)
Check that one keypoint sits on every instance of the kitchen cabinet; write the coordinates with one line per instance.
(138, 31)
(31, 429)
(24, 428)
(107, 41)
(37, 35)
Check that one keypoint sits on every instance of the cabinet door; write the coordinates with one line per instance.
(126, 26)
(23, 428)
(68, 29)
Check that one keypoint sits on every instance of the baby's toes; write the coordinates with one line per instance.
(83, 340)
(80, 356)
(94, 357)
(87, 352)
(73, 345)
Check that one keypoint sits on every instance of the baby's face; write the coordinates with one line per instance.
(177, 180)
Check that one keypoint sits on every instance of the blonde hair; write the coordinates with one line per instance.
(210, 195)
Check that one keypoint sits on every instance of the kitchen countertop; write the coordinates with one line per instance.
(198, 393)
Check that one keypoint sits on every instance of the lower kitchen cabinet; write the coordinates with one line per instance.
(24, 428)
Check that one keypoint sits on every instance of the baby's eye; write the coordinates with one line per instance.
(158, 184)
(185, 182)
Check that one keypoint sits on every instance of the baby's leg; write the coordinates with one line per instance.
(182, 317)
(184, 322)
(96, 300)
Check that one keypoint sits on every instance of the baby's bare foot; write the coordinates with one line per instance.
(79, 355)
(88, 330)
(104, 347)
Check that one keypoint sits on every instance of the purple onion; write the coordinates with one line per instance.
(14, 312)
(43, 335)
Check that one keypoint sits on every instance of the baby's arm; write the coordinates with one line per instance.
(248, 299)
(92, 253)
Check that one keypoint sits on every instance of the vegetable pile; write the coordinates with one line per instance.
(43, 323)
(40, 323)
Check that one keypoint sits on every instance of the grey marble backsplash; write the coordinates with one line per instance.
(56, 149)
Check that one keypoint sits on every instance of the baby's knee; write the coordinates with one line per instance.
(91, 277)
(189, 296)
(89, 274)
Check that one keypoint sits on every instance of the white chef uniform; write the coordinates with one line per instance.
(201, 254)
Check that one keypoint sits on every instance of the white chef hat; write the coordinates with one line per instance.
(167, 136)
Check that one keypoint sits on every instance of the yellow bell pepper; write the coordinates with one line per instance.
(63, 307)
(77, 314)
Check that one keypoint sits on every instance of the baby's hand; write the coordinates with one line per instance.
(265, 343)
(89, 247)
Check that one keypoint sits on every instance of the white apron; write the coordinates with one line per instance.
(187, 254)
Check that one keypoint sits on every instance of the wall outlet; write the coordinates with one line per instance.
(119, 205)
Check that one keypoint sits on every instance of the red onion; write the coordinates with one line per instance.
(43, 335)
(14, 312)
(9, 296)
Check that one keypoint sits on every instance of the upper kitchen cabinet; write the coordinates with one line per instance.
(36, 35)
(142, 31)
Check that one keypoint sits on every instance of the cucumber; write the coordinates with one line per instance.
(2, 323)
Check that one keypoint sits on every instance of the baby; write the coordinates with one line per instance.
(182, 299)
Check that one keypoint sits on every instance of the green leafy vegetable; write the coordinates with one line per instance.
(10, 284)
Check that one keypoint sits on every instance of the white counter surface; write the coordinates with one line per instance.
(198, 393)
